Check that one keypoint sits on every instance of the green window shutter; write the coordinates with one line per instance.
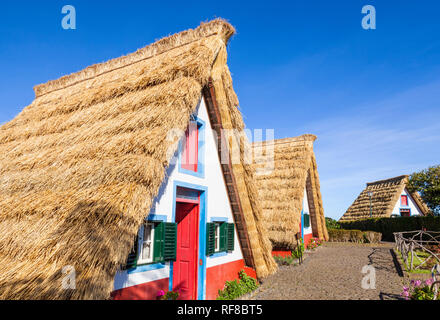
(132, 256)
(230, 238)
(158, 248)
(210, 239)
(170, 241)
(306, 220)
(223, 237)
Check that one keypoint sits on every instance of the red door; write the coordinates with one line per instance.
(185, 266)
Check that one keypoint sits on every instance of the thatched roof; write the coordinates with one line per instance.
(385, 194)
(82, 164)
(281, 187)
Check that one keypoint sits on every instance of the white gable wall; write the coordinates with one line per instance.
(306, 210)
(217, 202)
(415, 211)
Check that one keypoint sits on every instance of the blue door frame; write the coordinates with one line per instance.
(201, 272)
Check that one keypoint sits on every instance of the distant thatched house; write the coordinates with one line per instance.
(384, 199)
(289, 190)
(126, 150)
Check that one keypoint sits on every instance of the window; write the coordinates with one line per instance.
(404, 200)
(217, 237)
(190, 152)
(146, 241)
(156, 243)
(405, 212)
(306, 220)
(220, 237)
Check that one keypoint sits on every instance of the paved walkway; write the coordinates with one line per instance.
(334, 271)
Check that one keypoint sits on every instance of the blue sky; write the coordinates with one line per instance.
(372, 97)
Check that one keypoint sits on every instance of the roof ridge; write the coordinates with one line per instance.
(387, 180)
(304, 137)
(206, 29)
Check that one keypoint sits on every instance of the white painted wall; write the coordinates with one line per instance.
(217, 205)
(415, 211)
(306, 209)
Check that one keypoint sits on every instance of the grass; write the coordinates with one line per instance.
(418, 260)
(288, 260)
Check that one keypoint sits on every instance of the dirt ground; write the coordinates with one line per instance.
(334, 271)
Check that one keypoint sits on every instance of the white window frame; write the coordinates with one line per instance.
(217, 236)
(141, 244)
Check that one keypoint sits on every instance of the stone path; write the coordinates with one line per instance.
(334, 272)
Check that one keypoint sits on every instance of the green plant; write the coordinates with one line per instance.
(314, 243)
(418, 290)
(299, 250)
(170, 295)
(332, 223)
(287, 260)
(234, 289)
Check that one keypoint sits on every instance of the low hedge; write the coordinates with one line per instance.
(358, 236)
(387, 226)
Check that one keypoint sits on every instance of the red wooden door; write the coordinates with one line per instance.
(185, 266)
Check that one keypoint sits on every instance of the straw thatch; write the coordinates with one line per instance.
(82, 164)
(281, 188)
(385, 195)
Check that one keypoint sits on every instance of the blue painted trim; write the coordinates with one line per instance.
(302, 224)
(157, 217)
(218, 255)
(201, 274)
(201, 152)
(219, 219)
(147, 267)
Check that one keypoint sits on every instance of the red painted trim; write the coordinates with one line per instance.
(281, 253)
(307, 239)
(250, 272)
(217, 276)
(144, 291)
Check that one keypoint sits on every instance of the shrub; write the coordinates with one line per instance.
(372, 237)
(387, 226)
(357, 236)
(314, 243)
(234, 289)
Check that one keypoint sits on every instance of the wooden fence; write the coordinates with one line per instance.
(413, 244)
(423, 246)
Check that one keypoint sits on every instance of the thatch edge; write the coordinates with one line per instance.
(205, 29)
(311, 185)
(403, 183)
